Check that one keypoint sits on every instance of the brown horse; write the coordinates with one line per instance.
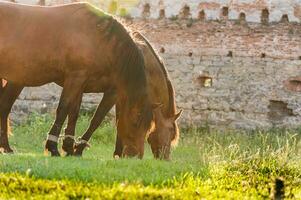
(161, 91)
(80, 48)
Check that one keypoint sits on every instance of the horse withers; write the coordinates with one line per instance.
(81, 49)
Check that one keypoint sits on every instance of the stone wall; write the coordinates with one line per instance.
(250, 10)
(219, 9)
(226, 73)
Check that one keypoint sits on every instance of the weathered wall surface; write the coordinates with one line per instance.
(213, 9)
(227, 73)
(233, 75)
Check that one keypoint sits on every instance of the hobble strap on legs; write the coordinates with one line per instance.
(82, 141)
(69, 136)
(53, 138)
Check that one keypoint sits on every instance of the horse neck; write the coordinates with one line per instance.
(170, 106)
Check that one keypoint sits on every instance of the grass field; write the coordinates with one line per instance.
(206, 164)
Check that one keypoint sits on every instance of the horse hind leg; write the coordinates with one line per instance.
(68, 143)
(9, 95)
(72, 90)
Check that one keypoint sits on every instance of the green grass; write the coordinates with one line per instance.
(206, 164)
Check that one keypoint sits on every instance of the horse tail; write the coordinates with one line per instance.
(3, 83)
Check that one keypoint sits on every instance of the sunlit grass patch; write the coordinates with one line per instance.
(206, 164)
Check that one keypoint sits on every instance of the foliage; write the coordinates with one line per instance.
(113, 6)
(206, 164)
(124, 13)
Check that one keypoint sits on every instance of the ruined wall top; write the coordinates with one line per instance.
(251, 10)
(246, 10)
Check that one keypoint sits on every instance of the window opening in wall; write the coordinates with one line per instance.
(185, 12)
(293, 84)
(202, 15)
(162, 13)
(225, 12)
(263, 55)
(146, 10)
(41, 2)
(162, 50)
(284, 18)
(265, 16)
(242, 17)
(230, 54)
(278, 110)
(204, 79)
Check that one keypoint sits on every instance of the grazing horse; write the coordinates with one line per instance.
(81, 49)
(166, 133)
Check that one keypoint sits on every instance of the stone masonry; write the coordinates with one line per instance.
(229, 70)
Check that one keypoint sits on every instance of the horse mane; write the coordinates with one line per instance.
(171, 92)
(130, 64)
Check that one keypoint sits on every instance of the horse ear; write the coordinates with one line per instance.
(177, 115)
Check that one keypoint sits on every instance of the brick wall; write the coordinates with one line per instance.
(227, 73)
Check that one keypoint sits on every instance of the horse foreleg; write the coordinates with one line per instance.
(103, 108)
(72, 90)
(68, 143)
(118, 145)
(9, 95)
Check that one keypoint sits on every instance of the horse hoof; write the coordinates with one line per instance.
(68, 147)
(116, 157)
(6, 150)
(79, 148)
(52, 148)
(78, 153)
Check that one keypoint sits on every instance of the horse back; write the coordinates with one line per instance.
(55, 40)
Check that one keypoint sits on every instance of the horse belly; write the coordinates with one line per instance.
(27, 71)
(98, 85)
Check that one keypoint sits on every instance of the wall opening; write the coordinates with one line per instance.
(204, 80)
(230, 54)
(161, 14)
(278, 110)
(242, 17)
(40, 3)
(293, 84)
(190, 54)
(185, 12)
(224, 13)
(162, 50)
(263, 55)
(284, 19)
(265, 16)
(146, 10)
(202, 15)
